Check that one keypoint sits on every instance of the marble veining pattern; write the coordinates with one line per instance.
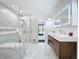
(38, 51)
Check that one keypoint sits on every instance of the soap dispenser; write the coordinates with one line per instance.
(70, 33)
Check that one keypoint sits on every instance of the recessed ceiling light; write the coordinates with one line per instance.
(20, 11)
(49, 19)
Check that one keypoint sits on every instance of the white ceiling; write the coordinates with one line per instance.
(37, 8)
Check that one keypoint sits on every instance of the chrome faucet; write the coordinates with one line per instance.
(60, 31)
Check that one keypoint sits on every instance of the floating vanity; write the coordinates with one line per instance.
(64, 46)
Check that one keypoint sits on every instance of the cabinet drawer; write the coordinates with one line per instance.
(53, 40)
(57, 50)
(50, 43)
(54, 44)
(49, 38)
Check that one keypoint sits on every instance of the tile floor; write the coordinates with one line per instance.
(39, 51)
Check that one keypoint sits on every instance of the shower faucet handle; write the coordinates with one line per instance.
(19, 41)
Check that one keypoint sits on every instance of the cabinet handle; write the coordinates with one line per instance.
(52, 43)
(19, 41)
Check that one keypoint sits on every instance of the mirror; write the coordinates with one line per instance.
(63, 17)
(57, 22)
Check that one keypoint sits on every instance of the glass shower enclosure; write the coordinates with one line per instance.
(13, 34)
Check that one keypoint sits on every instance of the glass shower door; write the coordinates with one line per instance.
(9, 34)
(24, 26)
(13, 34)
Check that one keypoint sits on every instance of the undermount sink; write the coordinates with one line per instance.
(60, 35)
(63, 38)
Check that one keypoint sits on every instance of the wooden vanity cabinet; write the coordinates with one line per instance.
(64, 50)
(54, 44)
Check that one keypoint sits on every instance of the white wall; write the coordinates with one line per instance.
(74, 12)
(66, 29)
(48, 28)
(49, 25)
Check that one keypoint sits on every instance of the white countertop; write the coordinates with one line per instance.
(63, 38)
